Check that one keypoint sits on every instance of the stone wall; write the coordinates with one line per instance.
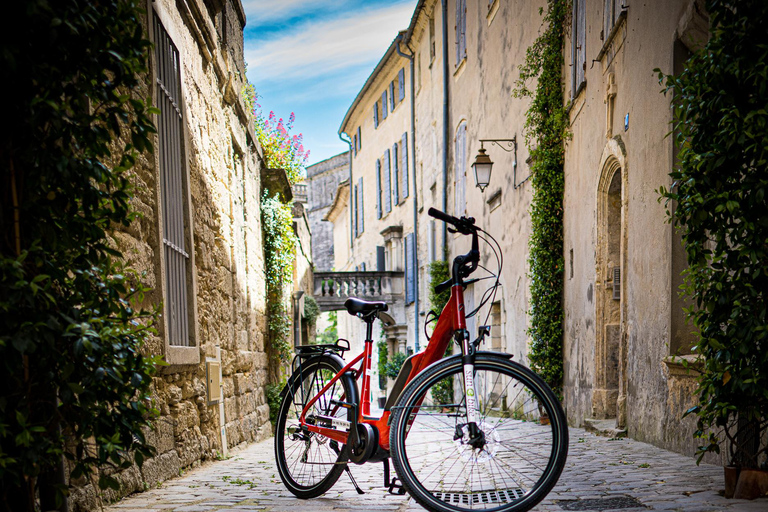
(323, 178)
(226, 278)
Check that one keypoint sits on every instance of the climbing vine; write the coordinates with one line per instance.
(279, 253)
(720, 189)
(546, 129)
(75, 380)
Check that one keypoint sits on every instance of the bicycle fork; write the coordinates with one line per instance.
(476, 436)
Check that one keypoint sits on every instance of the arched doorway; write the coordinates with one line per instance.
(609, 392)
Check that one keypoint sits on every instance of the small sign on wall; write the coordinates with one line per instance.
(213, 380)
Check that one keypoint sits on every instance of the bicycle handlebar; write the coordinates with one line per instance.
(465, 264)
(464, 225)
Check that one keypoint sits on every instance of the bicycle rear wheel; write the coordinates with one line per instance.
(526, 438)
(309, 463)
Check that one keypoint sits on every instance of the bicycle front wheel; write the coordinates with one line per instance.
(525, 438)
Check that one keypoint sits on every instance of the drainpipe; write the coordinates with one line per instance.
(351, 203)
(446, 128)
(415, 194)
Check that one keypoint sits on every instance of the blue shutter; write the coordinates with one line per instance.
(404, 165)
(354, 207)
(354, 145)
(410, 269)
(360, 209)
(384, 105)
(461, 30)
(375, 115)
(378, 189)
(392, 95)
(396, 174)
(387, 183)
(401, 84)
(359, 139)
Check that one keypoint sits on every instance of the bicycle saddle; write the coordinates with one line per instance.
(363, 307)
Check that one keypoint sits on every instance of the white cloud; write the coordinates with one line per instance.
(258, 12)
(313, 49)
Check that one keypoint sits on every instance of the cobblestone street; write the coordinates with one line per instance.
(601, 474)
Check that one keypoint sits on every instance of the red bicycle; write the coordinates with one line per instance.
(473, 431)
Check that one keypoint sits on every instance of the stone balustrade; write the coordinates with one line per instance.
(331, 289)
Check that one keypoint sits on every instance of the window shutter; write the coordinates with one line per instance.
(410, 268)
(404, 165)
(580, 61)
(380, 259)
(359, 139)
(378, 189)
(356, 217)
(384, 105)
(461, 30)
(354, 145)
(387, 183)
(396, 174)
(401, 84)
(392, 95)
(172, 187)
(360, 209)
(376, 115)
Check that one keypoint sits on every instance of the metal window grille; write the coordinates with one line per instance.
(172, 185)
(616, 283)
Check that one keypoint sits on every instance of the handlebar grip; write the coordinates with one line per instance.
(433, 212)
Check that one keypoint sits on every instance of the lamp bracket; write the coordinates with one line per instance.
(508, 145)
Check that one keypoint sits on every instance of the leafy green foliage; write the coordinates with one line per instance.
(383, 355)
(311, 309)
(74, 378)
(442, 391)
(438, 273)
(545, 132)
(272, 392)
(721, 128)
(392, 366)
(331, 333)
(279, 254)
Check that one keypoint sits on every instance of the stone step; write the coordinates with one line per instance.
(605, 428)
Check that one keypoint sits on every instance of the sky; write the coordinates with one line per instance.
(312, 57)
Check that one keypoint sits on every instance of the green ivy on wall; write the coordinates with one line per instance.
(721, 127)
(279, 253)
(546, 129)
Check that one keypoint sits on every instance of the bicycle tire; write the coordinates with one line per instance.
(311, 464)
(528, 465)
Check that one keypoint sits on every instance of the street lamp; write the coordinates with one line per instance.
(484, 165)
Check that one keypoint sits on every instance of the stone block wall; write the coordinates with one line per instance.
(323, 178)
(228, 322)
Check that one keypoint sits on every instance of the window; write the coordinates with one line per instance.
(359, 139)
(611, 13)
(432, 52)
(578, 47)
(354, 144)
(404, 166)
(461, 30)
(401, 84)
(381, 260)
(359, 222)
(460, 171)
(378, 189)
(396, 165)
(410, 269)
(384, 105)
(392, 96)
(376, 115)
(387, 203)
(173, 192)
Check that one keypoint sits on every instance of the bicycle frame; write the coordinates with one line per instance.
(451, 319)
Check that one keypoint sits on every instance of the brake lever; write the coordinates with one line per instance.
(451, 230)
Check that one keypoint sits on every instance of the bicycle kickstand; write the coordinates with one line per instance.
(357, 487)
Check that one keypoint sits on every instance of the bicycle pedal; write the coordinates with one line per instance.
(396, 488)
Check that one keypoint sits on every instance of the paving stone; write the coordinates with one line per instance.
(596, 469)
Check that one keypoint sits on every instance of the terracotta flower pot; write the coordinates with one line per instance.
(752, 484)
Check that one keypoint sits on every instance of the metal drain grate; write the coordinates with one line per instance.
(601, 504)
(501, 496)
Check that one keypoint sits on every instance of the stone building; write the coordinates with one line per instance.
(199, 243)
(459, 62)
(323, 178)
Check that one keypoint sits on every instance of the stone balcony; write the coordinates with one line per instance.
(333, 288)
